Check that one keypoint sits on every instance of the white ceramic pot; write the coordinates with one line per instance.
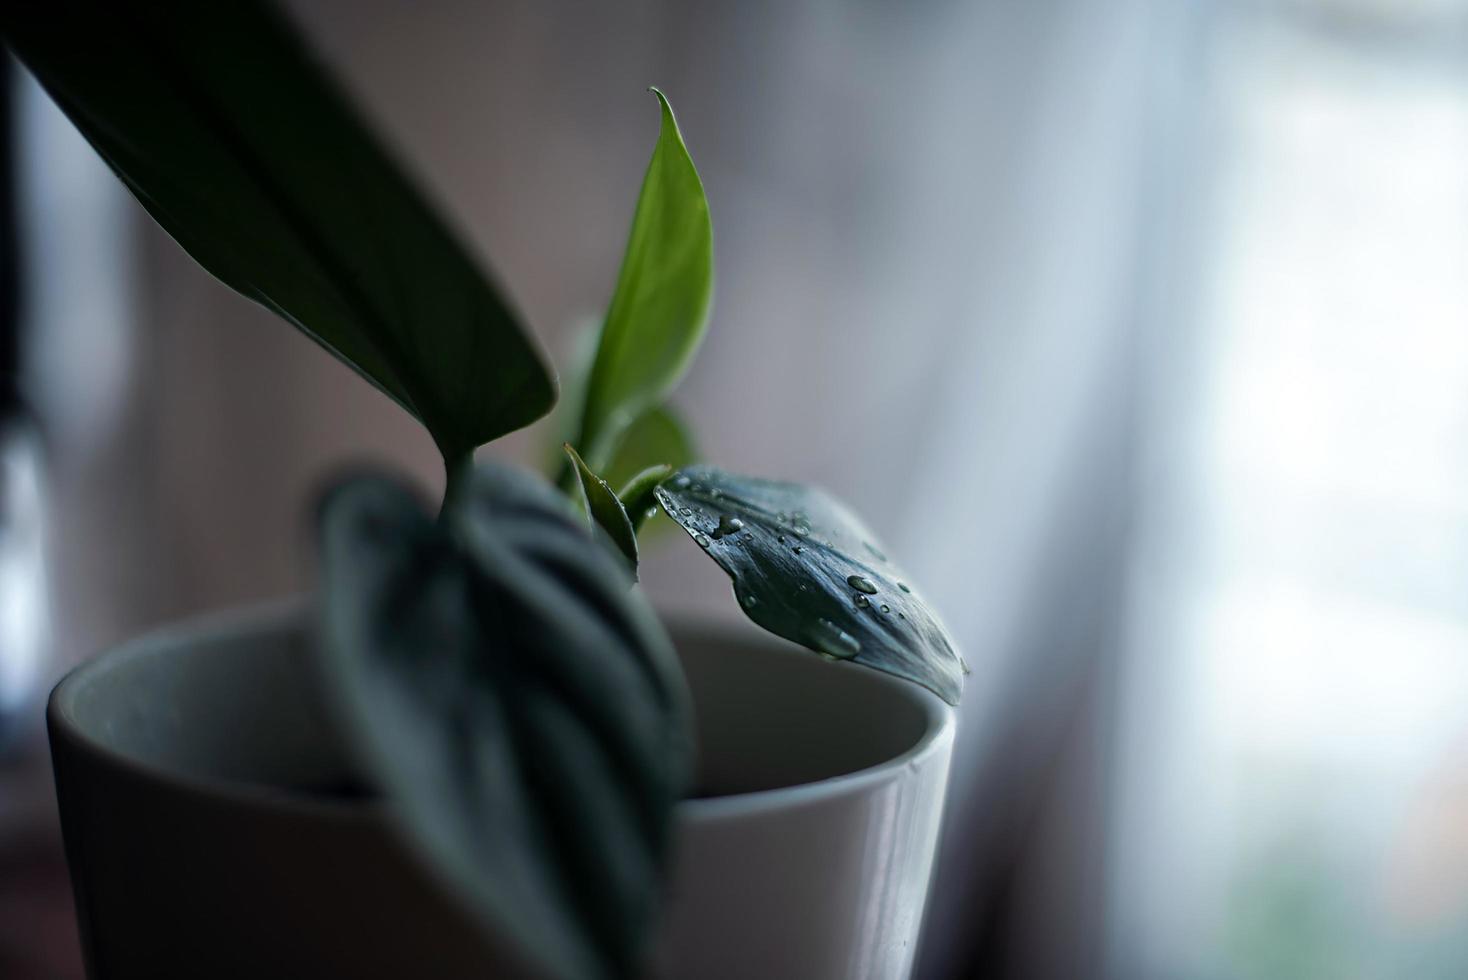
(185, 762)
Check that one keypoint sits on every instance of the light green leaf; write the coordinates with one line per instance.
(518, 704)
(603, 507)
(638, 500)
(660, 308)
(658, 436)
(224, 126)
(805, 568)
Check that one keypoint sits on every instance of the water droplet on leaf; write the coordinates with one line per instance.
(861, 584)
(702, 539)
(833, 641)
(903, 587)
(728, 525)
(861, 601)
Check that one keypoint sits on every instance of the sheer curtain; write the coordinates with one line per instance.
(1292, 787)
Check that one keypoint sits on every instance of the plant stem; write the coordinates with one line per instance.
(458, 470)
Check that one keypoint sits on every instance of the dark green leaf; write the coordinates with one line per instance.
(222, 123)
(603, 507)
(517, 702)
(638, 497)
(660, 308)
(806, 568)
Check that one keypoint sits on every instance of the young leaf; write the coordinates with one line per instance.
(518, 704)
(804, 567)
(224, 126)
(603, 507)
(638, 499)
(660, 307)
(657, 437)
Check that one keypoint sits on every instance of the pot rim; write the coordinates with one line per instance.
(939, 724)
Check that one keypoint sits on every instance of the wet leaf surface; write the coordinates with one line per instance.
(806, 568)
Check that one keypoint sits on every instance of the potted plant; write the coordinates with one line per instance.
(477, 751)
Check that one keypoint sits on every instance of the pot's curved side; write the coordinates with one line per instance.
(173, 884)
(186, 863)
(831, 888)
(824, 879)
(188, 857)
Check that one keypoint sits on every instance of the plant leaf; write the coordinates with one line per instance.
(638, 499)
(658, 436)
(223, 125)
(659, 310)
(603, 507)
(518, 704)
(805, 568)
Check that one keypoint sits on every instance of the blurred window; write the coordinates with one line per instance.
(1294, 774)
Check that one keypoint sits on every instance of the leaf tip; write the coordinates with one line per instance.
(666, 106)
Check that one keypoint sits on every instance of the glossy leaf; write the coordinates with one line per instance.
(806, 568)
(660, 308)
(639, 498)
(224, 126)
(518, 704)
(605, 509)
